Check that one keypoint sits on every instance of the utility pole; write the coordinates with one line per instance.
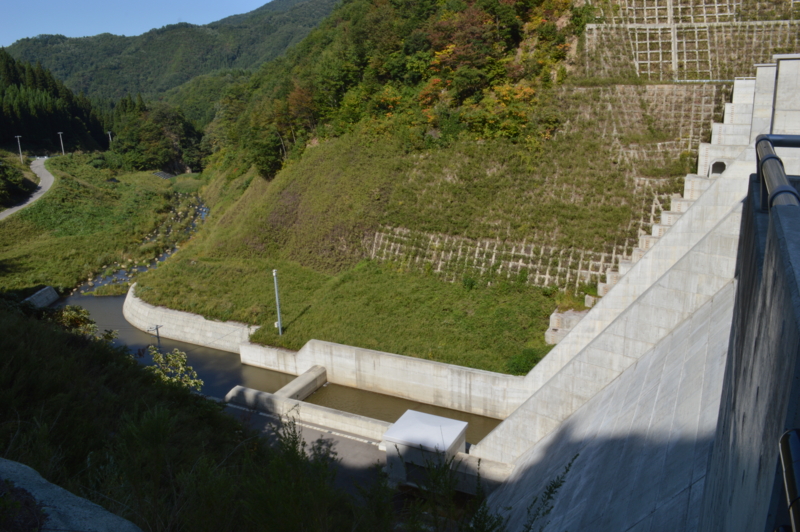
(158, 336)
(109, 139)
(277, 303)
(20, 149)
(62, 142)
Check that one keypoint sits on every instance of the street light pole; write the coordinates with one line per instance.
(277, 303)
(62, 142)
(20, 149)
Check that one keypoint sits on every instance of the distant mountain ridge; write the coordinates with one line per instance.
(111, 66)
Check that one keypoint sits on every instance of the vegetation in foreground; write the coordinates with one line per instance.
(93, 217)
(16, 181)
(89, 418)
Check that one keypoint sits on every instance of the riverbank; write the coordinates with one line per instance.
(93, 221)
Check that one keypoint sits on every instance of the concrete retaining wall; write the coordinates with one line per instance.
(368, 428)
(687, 286)
(185, 326)
(43, 298)
(468, 390)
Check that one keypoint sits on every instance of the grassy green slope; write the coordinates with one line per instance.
(310, 223)
(84, 223)
(110, 66)
(16, 181)
(425, 123)
(371, 140)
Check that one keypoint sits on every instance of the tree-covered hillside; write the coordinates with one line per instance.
(111, 66)
(36, 106)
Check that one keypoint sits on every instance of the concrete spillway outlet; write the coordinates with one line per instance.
(423, 440)
(304, 385)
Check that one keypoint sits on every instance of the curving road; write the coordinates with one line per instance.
(45, 182)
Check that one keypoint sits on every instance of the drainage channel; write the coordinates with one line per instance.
(221, 371)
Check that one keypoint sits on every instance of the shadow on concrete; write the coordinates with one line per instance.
(358, 460)
(645, 482)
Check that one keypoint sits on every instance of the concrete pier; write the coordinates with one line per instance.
(304, 385)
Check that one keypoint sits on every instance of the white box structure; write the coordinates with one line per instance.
(422, 440)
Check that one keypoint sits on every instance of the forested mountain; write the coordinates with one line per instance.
(36, 105)
(198, 96)
(151, 136)
(424, 72)
(111, 66)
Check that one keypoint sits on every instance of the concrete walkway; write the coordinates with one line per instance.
(357, 457)
(46, 180)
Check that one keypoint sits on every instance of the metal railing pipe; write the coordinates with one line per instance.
(790, 461)
(775, 187)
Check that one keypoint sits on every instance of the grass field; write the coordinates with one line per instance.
(17, 181)
(498, 328)
(91, 218)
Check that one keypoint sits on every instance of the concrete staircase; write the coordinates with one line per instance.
(673, 273)
(728, 140)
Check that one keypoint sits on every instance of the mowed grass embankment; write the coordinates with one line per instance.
(91, 218)
(496, 328)
(313, 222)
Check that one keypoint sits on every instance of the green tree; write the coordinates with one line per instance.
(172, 368)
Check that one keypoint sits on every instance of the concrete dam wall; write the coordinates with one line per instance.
(761, 393)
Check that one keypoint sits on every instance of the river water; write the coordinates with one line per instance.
(221, 371)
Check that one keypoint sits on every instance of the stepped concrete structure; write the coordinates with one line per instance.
(653, 395)
(643, 388)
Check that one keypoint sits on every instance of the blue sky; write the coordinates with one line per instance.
(80, 18)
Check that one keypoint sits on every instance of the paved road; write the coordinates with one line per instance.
(45, 182)
(356, 456)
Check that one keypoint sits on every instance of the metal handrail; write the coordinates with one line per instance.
(789, 446)
(775, 187)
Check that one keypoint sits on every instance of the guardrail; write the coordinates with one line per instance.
(775, 187)
(789, 446)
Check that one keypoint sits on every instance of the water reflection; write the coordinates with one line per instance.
(388, 408)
